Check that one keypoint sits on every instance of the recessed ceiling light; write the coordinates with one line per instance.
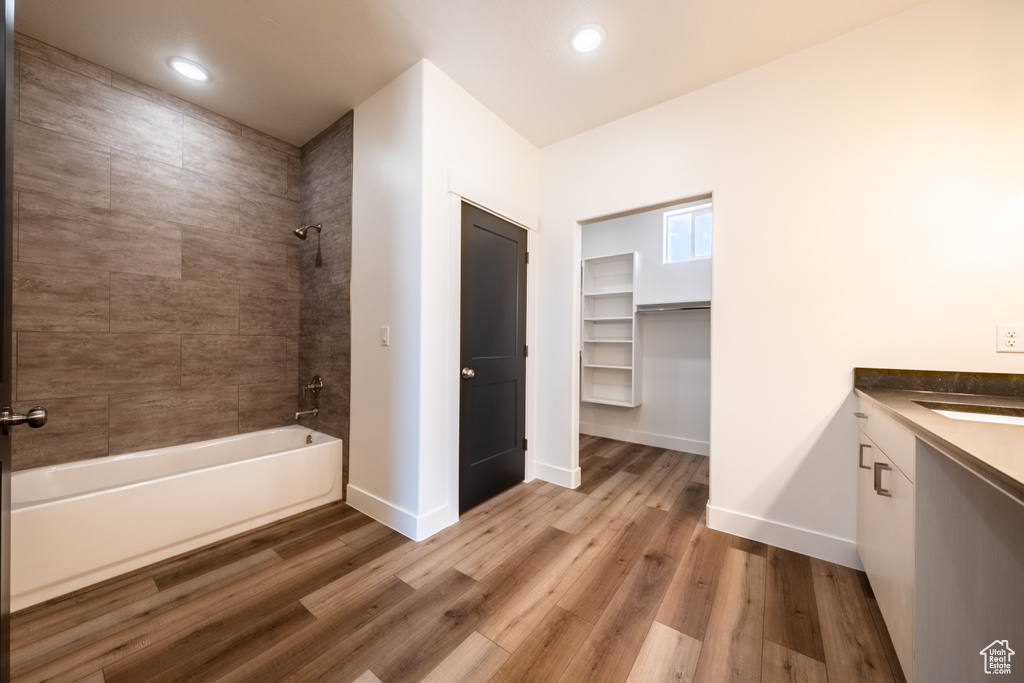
(189, 69)
(587, 38)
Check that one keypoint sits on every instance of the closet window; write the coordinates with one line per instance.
(688, 233)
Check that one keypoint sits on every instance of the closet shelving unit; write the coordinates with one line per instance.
(612, 352)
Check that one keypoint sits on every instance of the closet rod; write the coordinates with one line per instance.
(668, 308)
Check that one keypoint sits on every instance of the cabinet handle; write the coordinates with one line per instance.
(861, 415)
(879, 466)
(860, 459)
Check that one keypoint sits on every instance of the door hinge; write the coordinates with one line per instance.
(525, 444)
(527, 258)
(526, 350)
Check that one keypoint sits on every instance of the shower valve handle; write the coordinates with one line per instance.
(35, 418)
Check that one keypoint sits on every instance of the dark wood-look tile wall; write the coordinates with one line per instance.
(66, 102)
(56, 165)
(324, 323)
(156, 279)
(167, 418)
(59, 299)
(153, 189)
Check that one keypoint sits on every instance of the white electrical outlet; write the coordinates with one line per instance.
(1010, 338)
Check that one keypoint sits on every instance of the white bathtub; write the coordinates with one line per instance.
(82, 522)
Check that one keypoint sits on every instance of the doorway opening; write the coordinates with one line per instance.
(645, 344)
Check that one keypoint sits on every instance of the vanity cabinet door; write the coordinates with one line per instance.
(900, 619)
(885, 527)
(872, 532)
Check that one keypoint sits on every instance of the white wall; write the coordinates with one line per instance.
(869, 211)
(387, 244)
(675, 412)
(421, 145)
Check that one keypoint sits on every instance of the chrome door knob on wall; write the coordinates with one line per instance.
(35, 418)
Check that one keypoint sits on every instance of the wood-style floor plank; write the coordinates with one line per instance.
(334, 595)
(350, 656)
(43, 625)
(883, 633)
(702, 475)
(781, 665)
(28, 657)
(611, 648)
(731, 651)
(626, 504)
(476, 659)
(595, 503)
(600, 469)
(667, 655)
(200, 654)
(427, 567)
(589, 596)
(853, 650)
(187, 566)
(666, 491)
(118, 645)
(544, 655)
(617, 581)
(280, 611)
(549, 489)
(289, 654)
(479, 562)
(511, 625)
(690, 597)
(441, 636)
(367, 677)
(95, 677)
(791, 610)
(674, 536)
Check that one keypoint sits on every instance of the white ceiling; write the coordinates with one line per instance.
(292, 67)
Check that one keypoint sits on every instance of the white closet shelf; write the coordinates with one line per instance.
(609, 402)
(611, 358)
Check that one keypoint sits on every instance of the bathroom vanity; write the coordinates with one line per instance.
(940, 518)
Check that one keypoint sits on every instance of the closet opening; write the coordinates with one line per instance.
(645, 349)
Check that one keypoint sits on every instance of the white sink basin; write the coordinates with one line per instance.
(976, 413)
(981, 417)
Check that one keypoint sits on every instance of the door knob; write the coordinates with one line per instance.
(468, 373)
(35, 418)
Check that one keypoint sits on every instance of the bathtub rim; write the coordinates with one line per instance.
(149, 453)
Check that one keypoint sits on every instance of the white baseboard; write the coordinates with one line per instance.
(815, 544)
(646, 439)
(404, 522)
(570, 479)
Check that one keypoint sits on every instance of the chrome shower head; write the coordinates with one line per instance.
(301, 232)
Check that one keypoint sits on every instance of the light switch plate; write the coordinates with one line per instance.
(1010, 338)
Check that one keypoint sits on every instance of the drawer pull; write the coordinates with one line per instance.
(862, 415)
(879, 466)
(860, 459)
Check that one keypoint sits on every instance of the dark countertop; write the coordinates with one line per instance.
(995, 452)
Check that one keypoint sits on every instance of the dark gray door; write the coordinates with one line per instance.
(492, 430)
(6, 84)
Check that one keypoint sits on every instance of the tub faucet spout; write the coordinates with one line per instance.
(312, 412)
